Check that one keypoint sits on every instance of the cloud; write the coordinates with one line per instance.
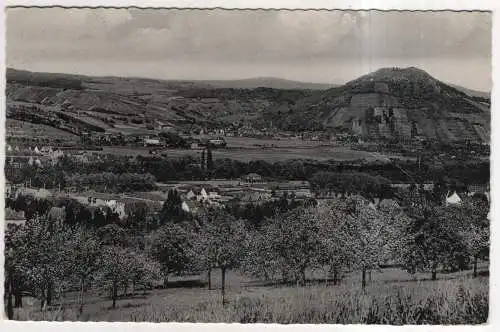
(291, 42)
(243, 35)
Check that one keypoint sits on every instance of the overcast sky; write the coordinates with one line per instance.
(314, 46)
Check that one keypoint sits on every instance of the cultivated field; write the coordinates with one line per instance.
(393, 297)
(267, 154)
(16, 128)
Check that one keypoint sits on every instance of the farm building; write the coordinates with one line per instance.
(217, 142)
(253, 178)
(198, 194)
(151, 142)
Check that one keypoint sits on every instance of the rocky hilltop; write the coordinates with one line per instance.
(397, 103)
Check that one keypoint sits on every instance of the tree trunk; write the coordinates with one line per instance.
(114, 294)
(10, 309)
(303, 276)
(223, 284)
(370, 276)
(82, 290)
(209, 278)
(434, 272)
(363, 278)
(165, 280)
(18, 296)
(284, 275)
(335, 277)
(49, 293)
(474, 273)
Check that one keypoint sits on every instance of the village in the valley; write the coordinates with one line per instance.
(251, 188)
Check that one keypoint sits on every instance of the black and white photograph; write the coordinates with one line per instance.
(247, 166)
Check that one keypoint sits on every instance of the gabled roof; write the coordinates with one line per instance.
(453, 198)
(253, 176)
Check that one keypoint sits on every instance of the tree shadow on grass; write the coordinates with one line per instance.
(283, 283)
(183, 284)
(443, 276)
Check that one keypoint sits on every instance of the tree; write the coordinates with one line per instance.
(294, 243)
(368, 232)
(114, 269)
(99, 219)
(143, 271)
(16, 265)
(432, 240)
(170, 245)
(172, 208)
(260, 260)
(113, 235)
(210, 161)
(471, 218)
(83, 250)
(336, 239)
(203, 160)
(221, 242)
(44, 265)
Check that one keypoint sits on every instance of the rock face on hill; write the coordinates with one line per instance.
(394, 103)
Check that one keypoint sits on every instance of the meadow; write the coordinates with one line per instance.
(320, 153)
(393, 297)
(16, 128)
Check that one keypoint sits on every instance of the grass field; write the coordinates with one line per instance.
(248, 142)
(393, 297)
(267, 154)
(18, 128)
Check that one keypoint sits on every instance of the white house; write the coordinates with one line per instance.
(203, 194)
(185, 207)
(197, 194)
(117, 207)
(151, 142)
(190, 195)
(453, 199)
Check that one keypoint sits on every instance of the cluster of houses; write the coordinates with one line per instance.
(32, 156)
(140, 139)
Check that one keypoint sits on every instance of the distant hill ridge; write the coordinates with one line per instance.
(390, 103)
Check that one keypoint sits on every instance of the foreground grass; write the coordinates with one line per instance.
(456, 301)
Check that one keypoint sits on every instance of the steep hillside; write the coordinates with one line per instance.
(392, 103)
(137, 101)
